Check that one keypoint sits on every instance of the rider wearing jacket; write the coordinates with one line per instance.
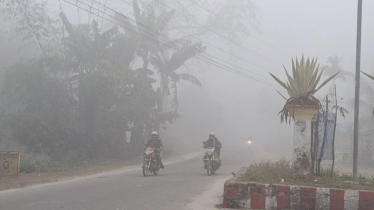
(213, 142)
(156, 143)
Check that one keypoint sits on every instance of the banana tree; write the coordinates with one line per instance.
(164, 55)
(301, 86)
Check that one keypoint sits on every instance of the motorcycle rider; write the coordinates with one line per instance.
(213, 142)
(156, 143)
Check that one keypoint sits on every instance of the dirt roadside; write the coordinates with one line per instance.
(24, 180)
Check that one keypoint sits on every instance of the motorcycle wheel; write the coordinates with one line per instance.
(145, 169)
(208, 168)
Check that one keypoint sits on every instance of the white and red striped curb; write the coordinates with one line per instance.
(271, 197)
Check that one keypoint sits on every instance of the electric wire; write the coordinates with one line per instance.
(207, 43)
(249, 50)
(263, 78)
(203, 7)
(210, 62)
(216, 63)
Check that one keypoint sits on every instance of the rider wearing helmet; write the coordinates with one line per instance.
(156, 143)
(213, 142)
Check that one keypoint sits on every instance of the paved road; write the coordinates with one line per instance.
(183, 184)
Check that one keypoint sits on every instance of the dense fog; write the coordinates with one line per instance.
(75, 93)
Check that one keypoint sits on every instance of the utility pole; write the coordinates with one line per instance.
(357, 91)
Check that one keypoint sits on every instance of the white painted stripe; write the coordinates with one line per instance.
(295, 197)
(271, 197)
(323, 198)
(351, 200)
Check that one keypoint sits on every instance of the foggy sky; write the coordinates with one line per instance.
(287, 28)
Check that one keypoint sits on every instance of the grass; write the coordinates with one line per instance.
(281, 172)
(31, 164)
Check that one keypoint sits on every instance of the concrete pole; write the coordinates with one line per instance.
(302, 160)
(357, 91)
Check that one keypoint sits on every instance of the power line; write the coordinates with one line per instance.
(216, 48)
(197, 3)
(215, 64)
(222, 36)
(198, 39)
(207, 43)
(219, 64)
(263, 78)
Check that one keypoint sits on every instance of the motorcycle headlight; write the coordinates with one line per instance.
(148, 152)
(249, 142)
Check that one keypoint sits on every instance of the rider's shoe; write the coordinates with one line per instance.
(162, 165)
(204, 166)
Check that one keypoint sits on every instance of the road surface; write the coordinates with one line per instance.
(183, 184)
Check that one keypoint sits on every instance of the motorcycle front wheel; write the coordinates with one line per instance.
(145, 168)
(209, 168)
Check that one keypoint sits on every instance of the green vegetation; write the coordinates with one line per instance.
(368, 75)
(274, 172)
(91, 94)
(371, 77)
(301, 86)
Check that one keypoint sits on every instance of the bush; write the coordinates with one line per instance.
(32, 163)
(28, 164)
(267, 171)
(282, 172)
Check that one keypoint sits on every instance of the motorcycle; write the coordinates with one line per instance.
(249, 144)
(150, 162)
(212, 163)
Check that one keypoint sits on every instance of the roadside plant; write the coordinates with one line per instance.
(371, 77)
(301, 86)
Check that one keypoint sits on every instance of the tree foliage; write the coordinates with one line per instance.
(83, 99)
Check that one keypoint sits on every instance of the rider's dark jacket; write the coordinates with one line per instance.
(154, 143)
(213, 143)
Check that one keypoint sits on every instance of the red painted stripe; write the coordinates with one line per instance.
(283, 197)
(230, 192)
(258, 196)
(365, 200)
(307, 198)
(336, 199)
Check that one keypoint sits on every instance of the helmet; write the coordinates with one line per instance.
(154, 133)
(212, 134)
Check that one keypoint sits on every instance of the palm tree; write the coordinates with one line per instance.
(367, 99)
(370, 76)
(334, 67)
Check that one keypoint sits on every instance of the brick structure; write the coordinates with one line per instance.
(277, 197)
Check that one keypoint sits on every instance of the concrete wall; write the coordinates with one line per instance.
(271, 197)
